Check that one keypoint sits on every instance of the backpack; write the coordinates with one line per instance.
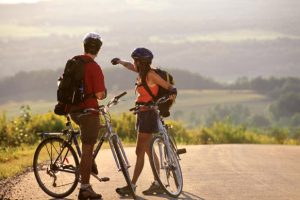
(163, 107)
(71, 85)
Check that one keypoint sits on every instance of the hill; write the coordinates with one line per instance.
(260, 38)
(42, 85)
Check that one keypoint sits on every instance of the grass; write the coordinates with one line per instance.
(13, 161)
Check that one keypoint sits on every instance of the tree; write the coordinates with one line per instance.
(286, 106)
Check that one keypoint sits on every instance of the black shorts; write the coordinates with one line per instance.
(147, 122)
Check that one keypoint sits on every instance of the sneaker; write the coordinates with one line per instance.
(88, 193)
(154, 188)
(125, 191)
(94, 168)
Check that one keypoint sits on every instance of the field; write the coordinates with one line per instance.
(189, 102)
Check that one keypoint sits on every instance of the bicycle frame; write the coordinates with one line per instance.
(63, 157)
(72, 137)
(108, 136)
(163, 132)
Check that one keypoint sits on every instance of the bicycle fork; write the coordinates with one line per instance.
(122, 152)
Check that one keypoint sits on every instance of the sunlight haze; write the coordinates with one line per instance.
(19, 1)
(221, 39)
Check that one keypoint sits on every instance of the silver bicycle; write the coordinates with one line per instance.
(164, 154)
(56, 164)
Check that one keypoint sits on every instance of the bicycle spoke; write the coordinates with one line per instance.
(57, 175)
(169, 173)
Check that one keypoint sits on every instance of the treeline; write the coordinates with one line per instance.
(42, 85)
(283, 92)
(272, 87)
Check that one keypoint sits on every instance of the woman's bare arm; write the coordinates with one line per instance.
(155, 78)
(126, 64)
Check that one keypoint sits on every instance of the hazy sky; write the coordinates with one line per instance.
(216, 38)
(19, 1)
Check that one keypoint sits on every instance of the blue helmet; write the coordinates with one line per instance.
(142, 54)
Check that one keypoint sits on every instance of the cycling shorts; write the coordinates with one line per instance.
(89, 127)
(147, 122)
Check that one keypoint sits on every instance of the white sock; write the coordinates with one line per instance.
(84, 186)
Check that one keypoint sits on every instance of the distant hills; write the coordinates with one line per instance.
(42, 85)
(220, 39)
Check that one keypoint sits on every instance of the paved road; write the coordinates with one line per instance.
(211, 172)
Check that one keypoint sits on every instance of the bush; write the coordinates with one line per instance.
(225, 133)
(23, 129)
(124, 125)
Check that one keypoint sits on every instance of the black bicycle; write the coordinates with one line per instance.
(56, 164)
(164, 154)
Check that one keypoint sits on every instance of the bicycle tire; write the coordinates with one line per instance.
(50, 171)
(176, 172)
(124, 169)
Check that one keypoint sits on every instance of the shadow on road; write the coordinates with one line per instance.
(188, 195)
(183, 196)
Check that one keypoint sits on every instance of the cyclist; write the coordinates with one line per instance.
(146, 123)
(94, 88)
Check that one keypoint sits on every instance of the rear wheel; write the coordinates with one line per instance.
(123, 165)
(165, 167)
(55, 166)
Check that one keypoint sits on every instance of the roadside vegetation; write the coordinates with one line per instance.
(257, 111)
(19, 135)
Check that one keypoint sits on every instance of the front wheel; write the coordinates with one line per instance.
(123, 165)
(55, 166)
(165, 166)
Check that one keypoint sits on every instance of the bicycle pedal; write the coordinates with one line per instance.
(104, 179)
(181, 151)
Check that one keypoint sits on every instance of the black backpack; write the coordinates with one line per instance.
(164, 107)
(71, 85)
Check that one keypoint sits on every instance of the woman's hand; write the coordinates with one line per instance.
(115, 61)
(126, 64)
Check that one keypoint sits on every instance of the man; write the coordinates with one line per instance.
(94, 89)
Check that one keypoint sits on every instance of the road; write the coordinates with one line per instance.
(211, 172)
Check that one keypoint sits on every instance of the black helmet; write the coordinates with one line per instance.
(142, 54)
(92, 43)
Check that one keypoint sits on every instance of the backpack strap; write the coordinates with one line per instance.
(84, 62)
(145, 85)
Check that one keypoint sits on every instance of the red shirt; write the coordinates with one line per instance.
(93, 82)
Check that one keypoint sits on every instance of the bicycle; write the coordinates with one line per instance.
(56, 164)
(165, 167)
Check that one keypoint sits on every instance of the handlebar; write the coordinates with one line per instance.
(120, 95)
(152, 105)
(115, 100)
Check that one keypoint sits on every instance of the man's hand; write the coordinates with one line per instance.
(101, 95)
(115, 61)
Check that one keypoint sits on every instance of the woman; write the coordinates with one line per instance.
(146, 119)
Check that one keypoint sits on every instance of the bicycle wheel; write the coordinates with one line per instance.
(55, 166)
(166, 170)
(123, 166)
